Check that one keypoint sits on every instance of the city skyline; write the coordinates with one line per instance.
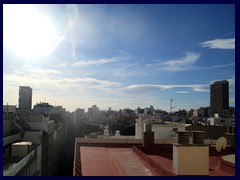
(119, 56)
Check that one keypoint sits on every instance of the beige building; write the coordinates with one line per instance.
(161, 130)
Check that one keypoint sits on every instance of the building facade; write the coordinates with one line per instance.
(25, 98)
(219, 96)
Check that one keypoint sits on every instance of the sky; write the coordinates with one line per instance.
(118, 55)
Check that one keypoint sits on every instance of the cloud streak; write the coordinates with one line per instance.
(122, 57)
(219, 44)
(145, 88)
(53, 80)
(94, 62)
(182, 92)
(186, 63)
(180, 64)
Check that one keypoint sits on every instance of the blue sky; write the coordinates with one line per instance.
(119, 56)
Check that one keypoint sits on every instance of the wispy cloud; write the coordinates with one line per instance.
(180, 64)
(94, 62)
(72, 11)
(212, 67)
(142, 88)
(201, 88)
(92, 82)
(64, 64)
(145, 88)
(36, 72)
(219, 44)
(53, 80)
(122, 57)
(182, 92)
(186, 63)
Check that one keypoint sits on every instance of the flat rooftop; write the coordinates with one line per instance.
(107, 161)
(97, 160)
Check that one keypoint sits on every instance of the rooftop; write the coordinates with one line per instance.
(110, 161)
(138, 160)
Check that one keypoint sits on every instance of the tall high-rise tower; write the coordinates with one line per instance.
(25, 98)
(219, 96)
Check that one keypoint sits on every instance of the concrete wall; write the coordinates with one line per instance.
(138, 130)
(40, 126)
(190, 160)
(6, 128)
(33, 136)
(160, 131)
(164, 132)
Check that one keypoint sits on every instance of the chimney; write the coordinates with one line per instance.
(148, 135)
(190, 159)
(183, 137)
(198, 137)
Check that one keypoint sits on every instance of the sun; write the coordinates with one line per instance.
(27, 32)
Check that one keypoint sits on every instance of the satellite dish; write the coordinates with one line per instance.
(221, 144)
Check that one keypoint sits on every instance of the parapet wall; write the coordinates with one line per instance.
(156, 167)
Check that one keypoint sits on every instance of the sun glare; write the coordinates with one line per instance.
(27, 32)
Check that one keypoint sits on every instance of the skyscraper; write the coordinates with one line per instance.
(219, 96)
(25, 98)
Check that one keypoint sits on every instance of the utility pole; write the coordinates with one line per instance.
(171, 107)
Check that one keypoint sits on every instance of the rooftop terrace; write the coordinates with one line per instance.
(110, 159)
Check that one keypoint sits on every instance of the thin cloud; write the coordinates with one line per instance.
(64, 64)
(219, 44)
(201, 88)
(72, 22)
(142, 88)
(186, 64)
(53, 79)
(94, 62)
(118, 58)
(96, 82)
(145, 88)
(212, 67)
(37, 72)
(182, 92)
(183, 63)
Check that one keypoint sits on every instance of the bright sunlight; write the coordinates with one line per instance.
(27, 32)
